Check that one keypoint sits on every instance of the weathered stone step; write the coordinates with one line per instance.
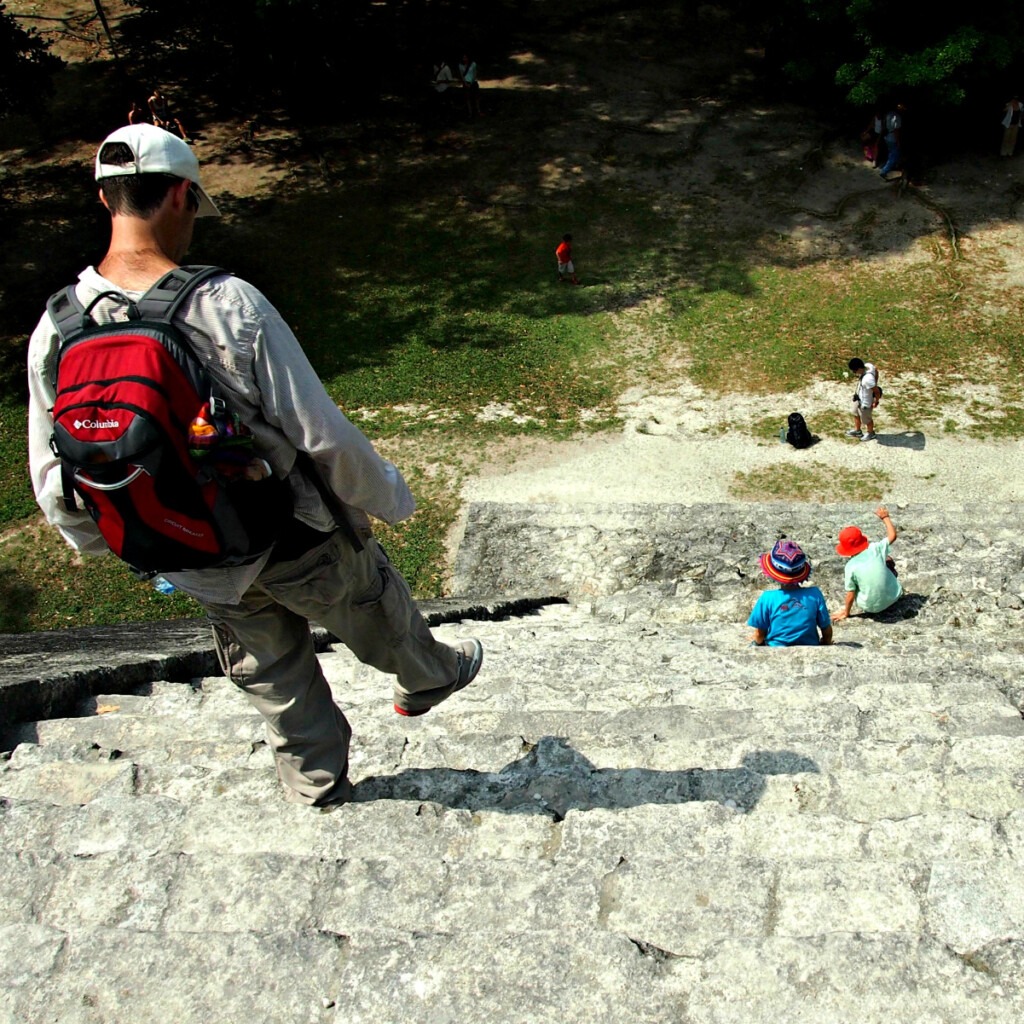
(857, 781)
(672, 731)
(225, 814)
(605, 672)
(564, 974)
(671, 898)
(935, 604)
(602, 549)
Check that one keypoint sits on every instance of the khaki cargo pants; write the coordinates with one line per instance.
(265, 648)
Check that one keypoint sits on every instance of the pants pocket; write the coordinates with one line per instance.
(385, 602)
(232, 657)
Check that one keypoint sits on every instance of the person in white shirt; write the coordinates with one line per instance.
(865, 399)
(443, 76)
(327, 566)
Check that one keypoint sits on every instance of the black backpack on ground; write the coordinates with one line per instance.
(797, 432)
(147, 443)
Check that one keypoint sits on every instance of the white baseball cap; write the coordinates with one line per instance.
(156, 152)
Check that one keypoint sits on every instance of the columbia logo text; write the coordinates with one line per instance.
(96, 424)
(184, 529)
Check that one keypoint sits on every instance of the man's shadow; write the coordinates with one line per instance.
(912, 439)
(553, 779)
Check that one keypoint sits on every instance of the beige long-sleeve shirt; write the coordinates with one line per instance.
(267, 380)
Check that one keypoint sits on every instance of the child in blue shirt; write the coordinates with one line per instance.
(792, 615)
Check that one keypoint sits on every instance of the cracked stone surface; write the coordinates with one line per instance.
(631, 817)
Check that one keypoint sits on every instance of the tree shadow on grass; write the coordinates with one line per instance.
(17, 601)
(553, 779)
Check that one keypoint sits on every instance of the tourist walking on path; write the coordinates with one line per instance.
(325, 565)
(162, 116)
(870, 573)
(865, 399)
(893, 137)
(470, 84)
(792, 615)
(1011, 125)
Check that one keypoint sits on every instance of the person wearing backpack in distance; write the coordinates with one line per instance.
(325, 564)
(865, 399)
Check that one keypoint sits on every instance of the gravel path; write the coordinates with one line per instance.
(670, 451)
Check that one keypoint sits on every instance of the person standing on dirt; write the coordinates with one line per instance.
(893, 141)
(1012, 114)
(160, 112)
(865, 399)
(326, 565)
(470, 84)
(443, 77)
(563, 257)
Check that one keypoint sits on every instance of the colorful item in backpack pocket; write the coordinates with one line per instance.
(222, 442)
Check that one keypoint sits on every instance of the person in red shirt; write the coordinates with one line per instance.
(566, 268)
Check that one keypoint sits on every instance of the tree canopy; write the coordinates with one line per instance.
(25, 66)
(864, 51)
(316, 54)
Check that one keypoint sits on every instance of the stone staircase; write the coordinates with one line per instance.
(632, 817)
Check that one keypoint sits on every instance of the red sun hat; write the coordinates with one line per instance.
(851, 541)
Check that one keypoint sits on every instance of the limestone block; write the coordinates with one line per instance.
(129, 735)
(141, 826)
(682, 904)
(256, 782)
(68, 784)
(785, 796)
(986, 792)
(845, 979)
(985, 751)
(114, 890)
(544, 978)
(472, 896)
(847, 896)
(30, 825)
(955, 835)
(908, 754)
(120, 976)
(255, 893)
(28, 954)
(873, 796)
(26, 879)
(228, 827)
(973, 903)
(415, 831)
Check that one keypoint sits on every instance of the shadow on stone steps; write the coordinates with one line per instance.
(552, 779)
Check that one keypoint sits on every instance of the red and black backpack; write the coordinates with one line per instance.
(129, 393)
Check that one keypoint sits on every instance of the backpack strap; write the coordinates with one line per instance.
(161, 302)
(66, 312)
